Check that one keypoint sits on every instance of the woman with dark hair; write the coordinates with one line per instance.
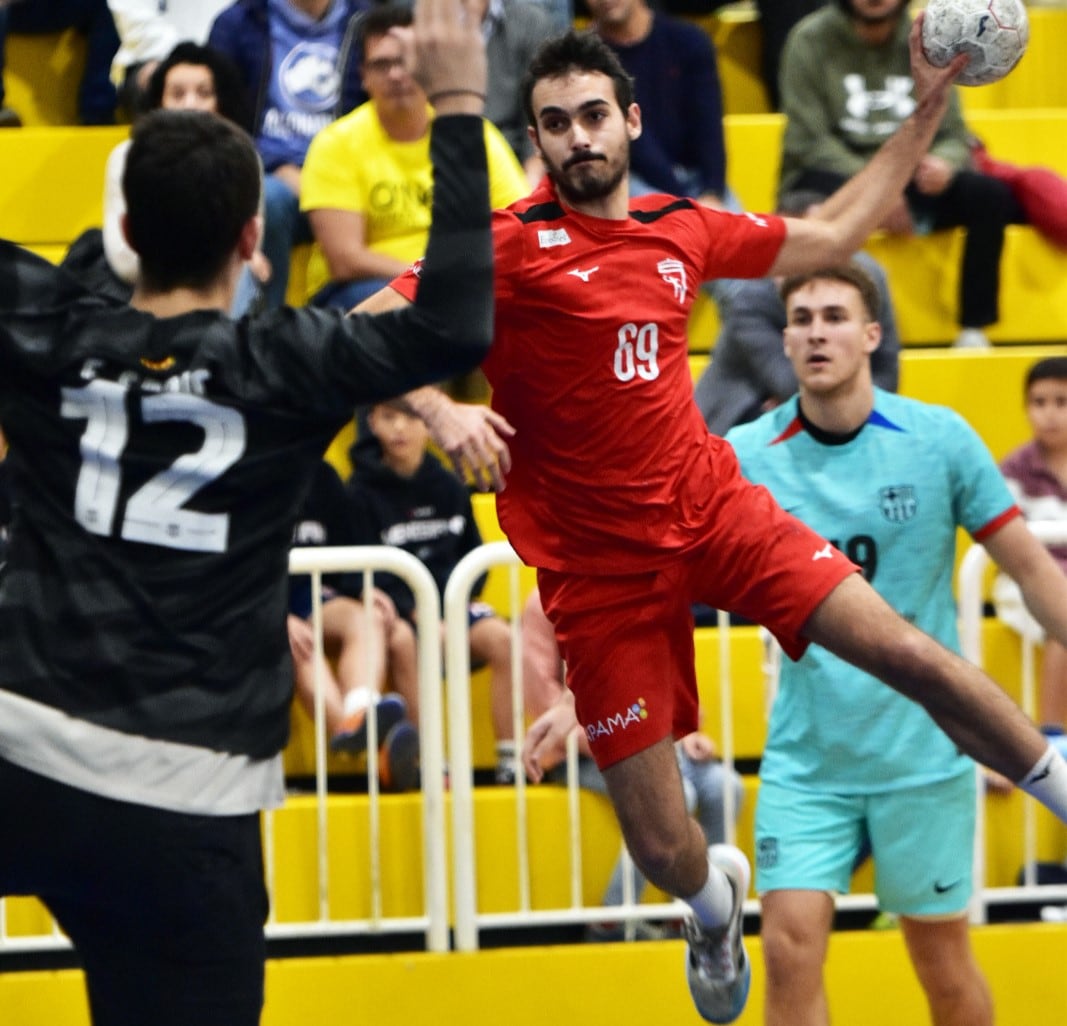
(222, 83)
(191, 77)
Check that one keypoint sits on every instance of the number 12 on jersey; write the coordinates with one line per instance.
(155, 513)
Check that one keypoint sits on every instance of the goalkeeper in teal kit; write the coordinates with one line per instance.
(888, 480)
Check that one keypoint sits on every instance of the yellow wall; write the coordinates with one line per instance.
(869, 983)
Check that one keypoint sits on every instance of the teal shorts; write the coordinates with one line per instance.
(922, 841)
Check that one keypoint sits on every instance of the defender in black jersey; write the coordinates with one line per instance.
(159, 453)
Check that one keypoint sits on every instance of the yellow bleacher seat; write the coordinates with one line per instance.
(924, 272)
(42, 76)
(53, 183)
(984, 386)
(1038, 80)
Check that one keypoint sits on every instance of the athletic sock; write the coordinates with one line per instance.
(714, 902)
(1047, 782)
(357, 700)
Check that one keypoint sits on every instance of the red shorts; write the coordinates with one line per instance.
(627, 640)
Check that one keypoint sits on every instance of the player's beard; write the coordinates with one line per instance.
(589, 179)
(875, 19)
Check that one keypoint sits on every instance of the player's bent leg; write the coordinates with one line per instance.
(857, 624)
(668, 846)
(795, 932)
(664, 841)
(944, 961)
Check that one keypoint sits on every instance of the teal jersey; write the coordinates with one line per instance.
(891, 498)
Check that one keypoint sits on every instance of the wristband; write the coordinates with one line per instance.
(434, 97)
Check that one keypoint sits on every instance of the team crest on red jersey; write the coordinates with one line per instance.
(673, 273)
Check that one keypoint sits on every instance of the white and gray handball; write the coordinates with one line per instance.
(993, 33)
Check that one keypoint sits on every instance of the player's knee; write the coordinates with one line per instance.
(659, 856)
(790, 956)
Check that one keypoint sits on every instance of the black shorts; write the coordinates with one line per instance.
(164, 909)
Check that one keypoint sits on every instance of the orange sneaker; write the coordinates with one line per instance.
(351, 737)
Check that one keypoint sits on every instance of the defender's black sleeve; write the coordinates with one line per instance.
(332, 362)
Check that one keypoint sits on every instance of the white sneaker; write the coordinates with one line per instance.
(717, 965)
(971, 338)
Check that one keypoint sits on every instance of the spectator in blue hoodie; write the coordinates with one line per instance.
(301, 71)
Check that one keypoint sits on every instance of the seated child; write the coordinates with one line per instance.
(407, 498)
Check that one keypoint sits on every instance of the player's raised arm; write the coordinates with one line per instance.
(448, 329)
(847, 218)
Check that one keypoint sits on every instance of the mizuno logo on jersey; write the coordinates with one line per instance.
(549, 237)
(416, 268)
(673, 273)
(826, 552)
(584, 275)
(756, 219)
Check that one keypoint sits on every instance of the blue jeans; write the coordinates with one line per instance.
(92, 18)
(284, 227)
(346, 294)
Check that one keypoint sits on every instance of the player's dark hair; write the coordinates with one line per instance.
(575, 51)
(1052, 368)
(230, 95)
(192, 182)
(849, 274)
(379, 20)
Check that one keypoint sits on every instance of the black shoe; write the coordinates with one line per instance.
(398, 759)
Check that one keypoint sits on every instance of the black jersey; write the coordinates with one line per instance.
(160, 465)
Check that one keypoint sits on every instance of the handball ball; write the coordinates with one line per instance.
(993, 33)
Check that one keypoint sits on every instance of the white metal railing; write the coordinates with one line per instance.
(970, 586)
(468, 919)
(383, 558)
(434, 920)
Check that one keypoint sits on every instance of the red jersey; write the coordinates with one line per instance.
(612, 461)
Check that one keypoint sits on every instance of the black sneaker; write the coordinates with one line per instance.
(351, 738)
(398, 759)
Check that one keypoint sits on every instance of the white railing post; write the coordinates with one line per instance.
(460, 759)
(384, 558)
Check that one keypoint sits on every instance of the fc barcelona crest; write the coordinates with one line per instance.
(899, 503)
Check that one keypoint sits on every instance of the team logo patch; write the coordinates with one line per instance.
(549, 237)
(673, 273)
(309, 78)
(767, 852)
(899, 503)
(158, 365)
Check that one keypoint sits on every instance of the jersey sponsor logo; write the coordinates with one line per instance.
(310, 532)
(826, 552)
(549, 237)
(584, 275)
(761, 222)
(673, 273)
(632, 716)
(899, 503)
(416, 268)
(423, 530)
